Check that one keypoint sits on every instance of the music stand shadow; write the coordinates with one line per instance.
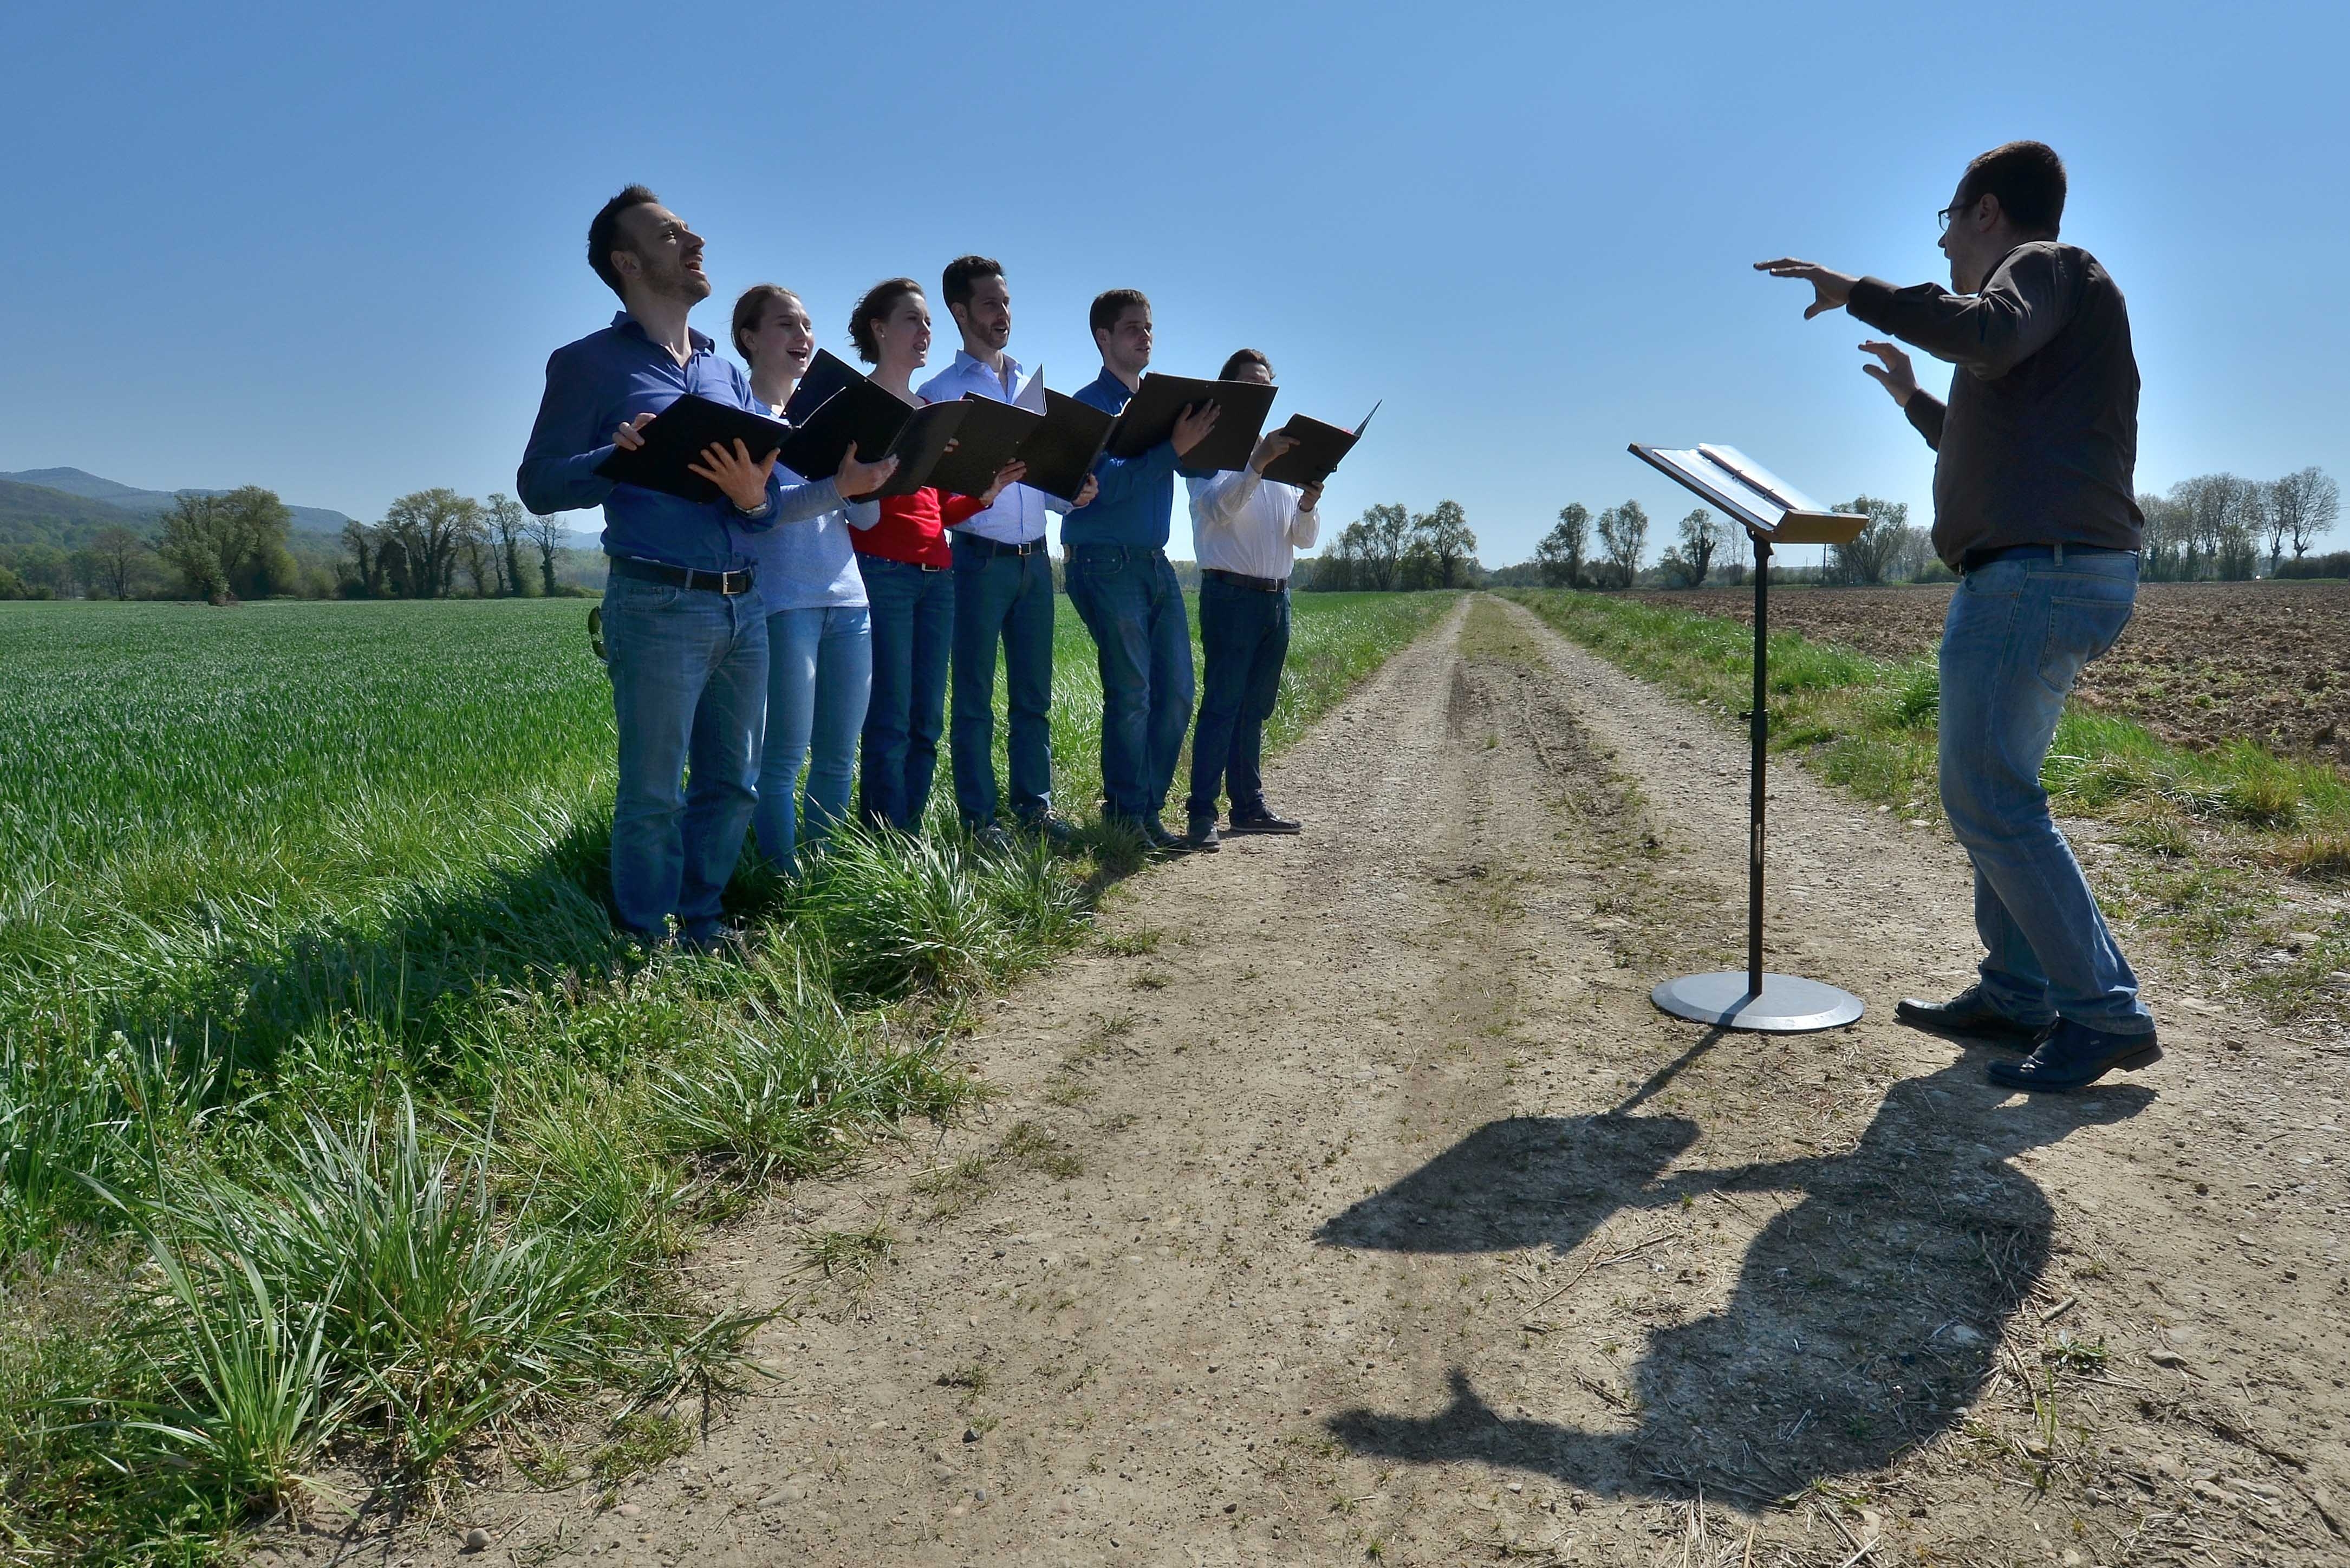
(1863, 1319)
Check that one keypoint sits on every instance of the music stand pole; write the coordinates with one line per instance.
(1766, 1003)
(1759, 729)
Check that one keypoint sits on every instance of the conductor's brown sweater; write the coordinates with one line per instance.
(2038, 442)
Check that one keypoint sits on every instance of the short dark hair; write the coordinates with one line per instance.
(2027, 177)
(1243, 356)
(751, 305)
(604, 234)
(956, 283)
(878, 302)
(1111, 304)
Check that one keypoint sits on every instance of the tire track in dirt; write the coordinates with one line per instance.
(1350, 1196)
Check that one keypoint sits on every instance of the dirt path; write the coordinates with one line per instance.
(1349, 1202)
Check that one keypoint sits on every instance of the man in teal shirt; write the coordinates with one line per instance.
(1124, 587)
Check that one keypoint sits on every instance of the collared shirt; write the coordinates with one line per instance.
(1018, 515)
(1245, 523)
(2037, 443)
(1135, 503)
(810, 564)
(605, 379)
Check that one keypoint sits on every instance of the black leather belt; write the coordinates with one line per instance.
(728, 583)
(987, 548)
(1238, 580)
(1975, 560)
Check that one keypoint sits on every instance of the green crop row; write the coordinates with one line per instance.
(333, 1120)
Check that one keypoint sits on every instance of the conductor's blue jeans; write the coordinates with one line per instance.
(1130, 602)
(689, 684)
(820, 672)
(2018, 633)
(1005, 600)
(1243, 641)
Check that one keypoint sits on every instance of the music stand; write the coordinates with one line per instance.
(1772, 513)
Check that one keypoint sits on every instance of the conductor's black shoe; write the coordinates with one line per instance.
(2075, 1056)
(1203, 836)
(1262, 821)
(1968, 1013)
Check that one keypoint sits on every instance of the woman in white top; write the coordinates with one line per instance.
(1247, 530)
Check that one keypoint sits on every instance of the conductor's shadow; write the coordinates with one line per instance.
(1863, 1319)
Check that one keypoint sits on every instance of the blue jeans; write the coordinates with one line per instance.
(689, 678)
(1129, 602)
(1008, 597)
(819, 670)
(1244, 641)
(913, 625)
(2018, 633)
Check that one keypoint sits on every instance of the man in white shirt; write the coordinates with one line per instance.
(1247, 530)
(1002, 583)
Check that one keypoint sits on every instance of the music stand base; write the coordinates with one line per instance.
(1789, 1004)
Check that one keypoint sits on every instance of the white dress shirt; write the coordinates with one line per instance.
(1242, 521)
(1018, 515)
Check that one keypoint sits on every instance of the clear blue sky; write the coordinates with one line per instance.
(327, 250)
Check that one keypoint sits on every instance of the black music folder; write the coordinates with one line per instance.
(1060, 453)
(988, 437)
(675, 438)
(922, 442)
(1320, 449)
(827, 374)
(858, 415)
(1150, 415)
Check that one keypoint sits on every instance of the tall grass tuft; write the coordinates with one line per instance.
(786, 1090)
(893, 914)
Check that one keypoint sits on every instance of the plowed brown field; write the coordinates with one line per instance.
(2201, 663)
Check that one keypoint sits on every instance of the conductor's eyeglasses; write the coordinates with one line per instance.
(1943, 217)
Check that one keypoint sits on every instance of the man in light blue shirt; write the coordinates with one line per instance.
(1002, 583)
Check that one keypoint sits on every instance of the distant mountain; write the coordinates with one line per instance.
(36, 515)
(150, 504)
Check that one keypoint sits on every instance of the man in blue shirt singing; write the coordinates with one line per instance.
(686, 635)
(1124, 589)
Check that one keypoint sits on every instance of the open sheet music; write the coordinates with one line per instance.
(1770, 508)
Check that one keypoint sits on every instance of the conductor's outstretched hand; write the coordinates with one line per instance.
(1894, 374)
(1829, 289)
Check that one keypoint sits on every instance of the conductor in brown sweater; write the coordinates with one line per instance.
(2035, 448)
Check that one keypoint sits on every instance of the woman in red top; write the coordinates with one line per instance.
(904, 558)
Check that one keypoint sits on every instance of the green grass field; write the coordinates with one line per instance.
(332, 1117)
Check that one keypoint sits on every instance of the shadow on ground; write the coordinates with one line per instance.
(1862, 1320)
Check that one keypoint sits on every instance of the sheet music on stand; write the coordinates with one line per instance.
(1770, 508)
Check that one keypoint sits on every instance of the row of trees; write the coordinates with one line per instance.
(1584, 552)
(118, 563)
(240, 546)
(1389, 549)
(2224, 525)
(2212, 525)
(430, 536)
